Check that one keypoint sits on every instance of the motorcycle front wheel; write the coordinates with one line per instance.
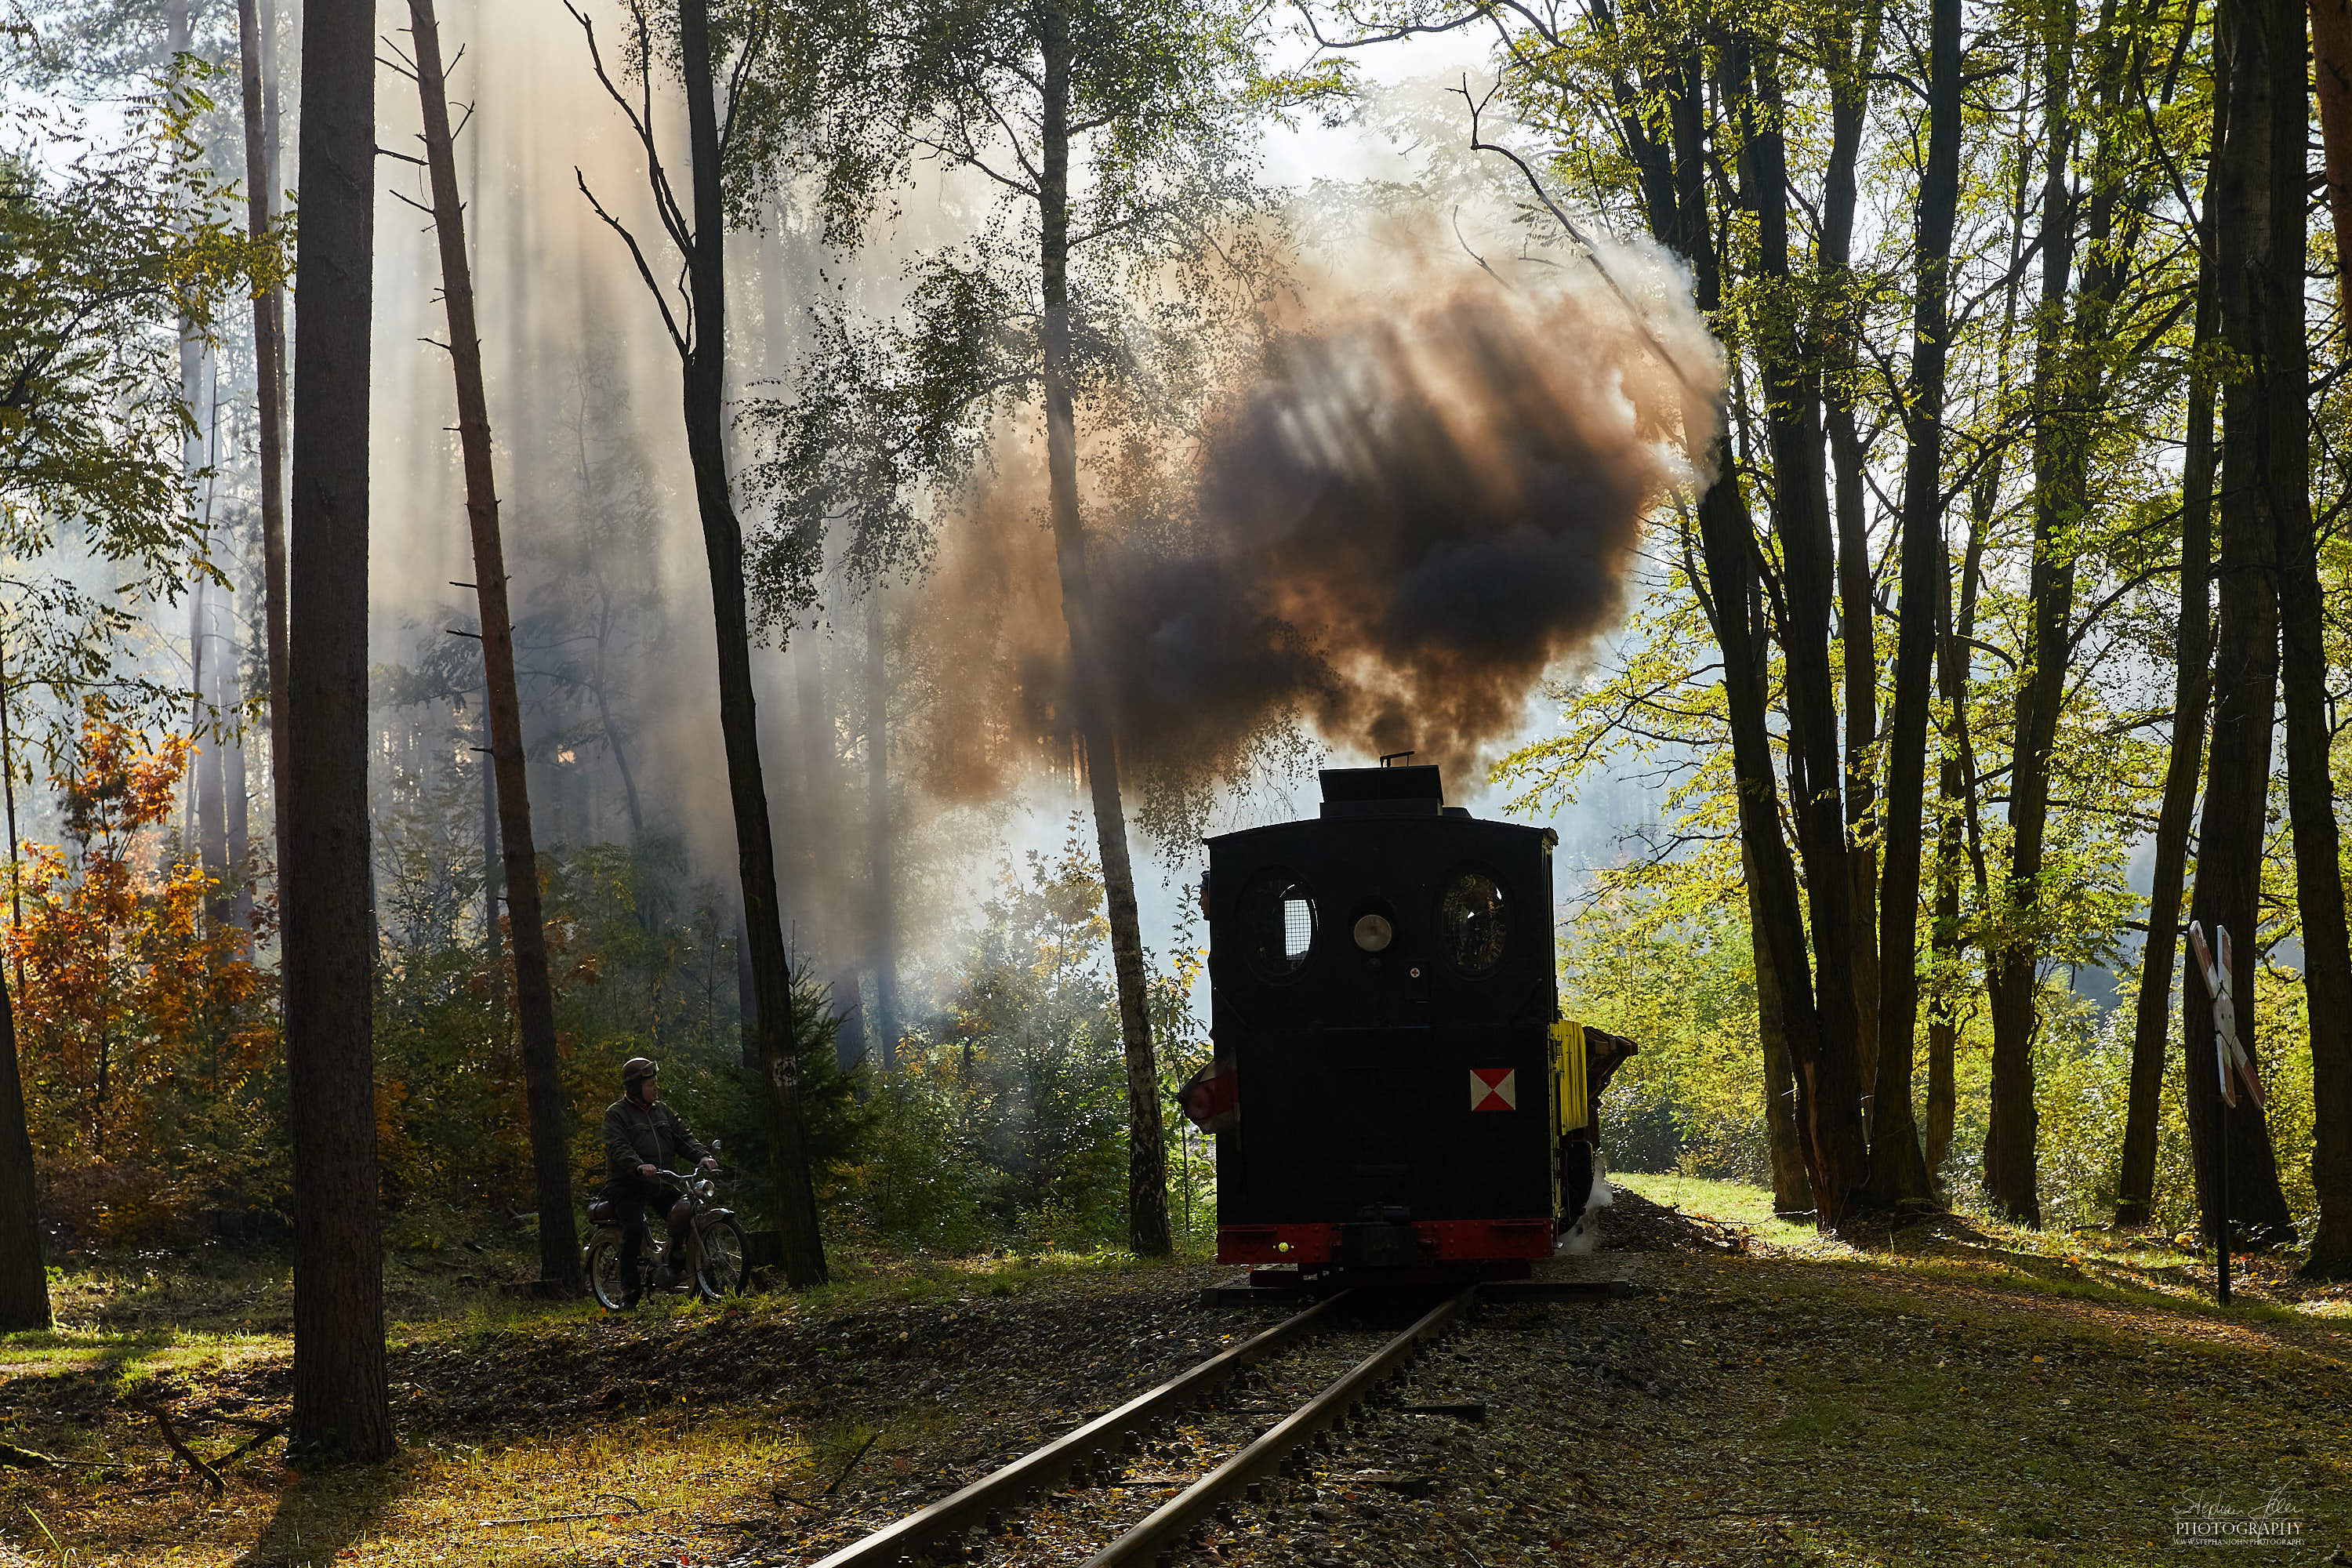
(604, 1278)
(724, 1253)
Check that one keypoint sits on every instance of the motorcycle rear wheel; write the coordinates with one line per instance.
(604, 1279)
(725, 1254)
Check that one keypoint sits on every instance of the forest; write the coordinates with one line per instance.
(763, 534)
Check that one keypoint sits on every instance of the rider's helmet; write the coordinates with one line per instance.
(635, 1072)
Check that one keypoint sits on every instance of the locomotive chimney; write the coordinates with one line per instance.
(1383, 791)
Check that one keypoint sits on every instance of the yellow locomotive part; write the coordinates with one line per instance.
(1571, 1094)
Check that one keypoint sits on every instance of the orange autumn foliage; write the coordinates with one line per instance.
(147, 1035)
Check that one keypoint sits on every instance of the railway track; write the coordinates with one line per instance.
(1134, 1485)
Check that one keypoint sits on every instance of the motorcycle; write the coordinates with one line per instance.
(714, 1264)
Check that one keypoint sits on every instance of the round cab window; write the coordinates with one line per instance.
(1473, 923)
(1277, 924)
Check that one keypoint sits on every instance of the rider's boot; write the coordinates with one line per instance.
(632, 1250)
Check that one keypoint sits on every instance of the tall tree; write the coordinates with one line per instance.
(1114, 134)
(1662, 119)
(117, 248)
(2259, 159)
(2303, 627)
(2072, 356)
(1095, 704)
(2014, 964)
(257, 48)
(882, 940)
(216, 714)
(559, 1242)
(1800, 522)
(2192, 653)
(339, 1396)
(699, 229)
(1669, 144)
(1850, 36)
(1898, 1171)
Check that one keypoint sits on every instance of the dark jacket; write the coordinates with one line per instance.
(635, 1135)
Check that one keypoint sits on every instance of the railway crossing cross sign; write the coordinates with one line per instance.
(2232, 1059)
(1494, 1089)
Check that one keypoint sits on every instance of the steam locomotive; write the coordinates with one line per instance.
(1392, 1089)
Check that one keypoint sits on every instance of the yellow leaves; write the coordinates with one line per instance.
(129, 990)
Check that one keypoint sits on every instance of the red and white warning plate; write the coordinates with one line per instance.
(1494, 1089)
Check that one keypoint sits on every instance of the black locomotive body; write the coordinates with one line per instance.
(1394, 1085)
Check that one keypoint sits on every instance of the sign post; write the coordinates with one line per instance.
(2234, 1065)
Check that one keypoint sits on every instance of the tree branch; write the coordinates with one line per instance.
(644, 270)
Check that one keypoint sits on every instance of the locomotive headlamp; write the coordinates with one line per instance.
(1373, 932)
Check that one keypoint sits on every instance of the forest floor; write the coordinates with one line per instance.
(1961, 1393)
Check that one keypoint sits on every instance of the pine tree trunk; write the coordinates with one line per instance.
(256, 42)
(883, 941)
(2193, 649)
(602, 689)
(2263, 40)
(817, 821)
(236, 760)
(1147, 1169)
(493, 945)
(559, 1239)
(24, 1282)
(212, 769)
(1898, 1171)
(812, 810)
(747, 1002)
(722, 540)
(339, 1396)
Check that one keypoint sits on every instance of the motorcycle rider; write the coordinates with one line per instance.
(644, 1138)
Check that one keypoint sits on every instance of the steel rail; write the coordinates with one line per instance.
(1162, 1530)
(1010, 1487)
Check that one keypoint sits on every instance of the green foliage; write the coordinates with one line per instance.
(897, 399)
(1009, 1117)
(1682, 988)
(2109, 380)
(644, 965)
(111, 247)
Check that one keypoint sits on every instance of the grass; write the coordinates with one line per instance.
(1982, 1392)
(636, 1483)
(1734, 1203)
(130, 1357)
(2119, 1267)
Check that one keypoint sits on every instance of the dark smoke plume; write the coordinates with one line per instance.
(1411, 514)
